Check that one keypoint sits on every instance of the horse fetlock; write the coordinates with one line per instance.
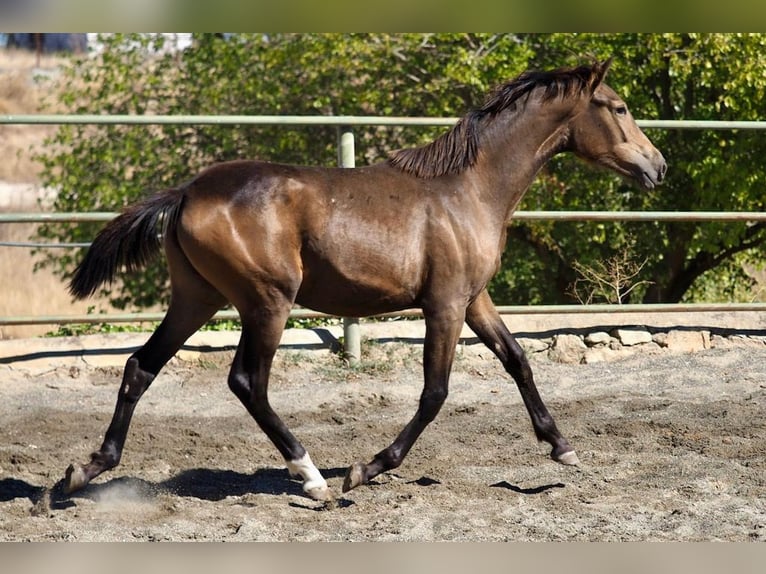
(106, 458)
(314, 484)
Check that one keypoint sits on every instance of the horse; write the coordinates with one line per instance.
(424, 228)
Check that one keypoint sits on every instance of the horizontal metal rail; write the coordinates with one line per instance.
(293, 120)
(266, 120)
(43, 245)
(665, 216)
(60, 217)
(150, 317)
(64, 217)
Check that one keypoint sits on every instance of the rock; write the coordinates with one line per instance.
(597, 338)
(606, 355)
(630, 337)
(745, 341)
(534, 345)
(661, 339)
(567, 349)
(687, 341)
(719, 342)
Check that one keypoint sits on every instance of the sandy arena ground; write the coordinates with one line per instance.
(672, 447)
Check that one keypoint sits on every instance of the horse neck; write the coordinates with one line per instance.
(513, 150)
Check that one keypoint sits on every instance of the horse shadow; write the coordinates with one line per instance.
(13, 488)
(528, 491)
(212, 485)
(201, 483)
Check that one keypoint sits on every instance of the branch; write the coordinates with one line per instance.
(612, 280)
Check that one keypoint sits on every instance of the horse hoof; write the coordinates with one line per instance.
(354, 476)
(75, 479)
(320, 493)
(569, 458)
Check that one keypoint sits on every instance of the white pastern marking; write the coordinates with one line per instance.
(312, 478)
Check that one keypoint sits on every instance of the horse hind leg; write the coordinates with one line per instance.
(135, 381)
(193, 303)
(249, 380)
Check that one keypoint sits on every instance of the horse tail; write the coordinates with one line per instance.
(130, 240)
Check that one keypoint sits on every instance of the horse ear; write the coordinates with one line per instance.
(598, 73)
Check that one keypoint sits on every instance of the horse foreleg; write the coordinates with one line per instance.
(442, 334)
(485, 321)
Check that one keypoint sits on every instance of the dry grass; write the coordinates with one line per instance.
(758, 273)
(25, 88)
(26, 292)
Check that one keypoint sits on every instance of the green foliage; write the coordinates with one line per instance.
(661, 76)
(80, 329)
(669, 76)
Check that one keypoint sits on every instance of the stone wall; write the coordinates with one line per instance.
(602, 346)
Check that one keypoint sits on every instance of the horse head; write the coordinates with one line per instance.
(604, 133)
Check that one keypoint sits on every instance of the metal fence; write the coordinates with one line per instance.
(345, 125)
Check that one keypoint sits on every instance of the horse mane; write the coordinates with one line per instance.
(457, 150)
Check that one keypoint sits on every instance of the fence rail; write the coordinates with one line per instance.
(345, 159)
(96, 216)
(229, 315)
(292, 120)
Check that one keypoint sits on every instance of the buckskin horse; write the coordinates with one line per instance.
(423, 229)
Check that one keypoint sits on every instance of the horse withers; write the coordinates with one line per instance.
(425, 229)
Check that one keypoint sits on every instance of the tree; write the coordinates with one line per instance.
(663, 76)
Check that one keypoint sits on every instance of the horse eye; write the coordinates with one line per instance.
(621, 110)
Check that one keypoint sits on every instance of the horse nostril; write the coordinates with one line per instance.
(663, 170)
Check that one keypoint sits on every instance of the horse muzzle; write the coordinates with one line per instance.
(655, 174)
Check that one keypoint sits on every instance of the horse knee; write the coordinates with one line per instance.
(521, 373)
(252, 397)
(515, 361)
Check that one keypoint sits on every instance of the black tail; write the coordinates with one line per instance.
(129, 240)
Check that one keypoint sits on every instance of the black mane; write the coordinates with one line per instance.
(457, 150)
